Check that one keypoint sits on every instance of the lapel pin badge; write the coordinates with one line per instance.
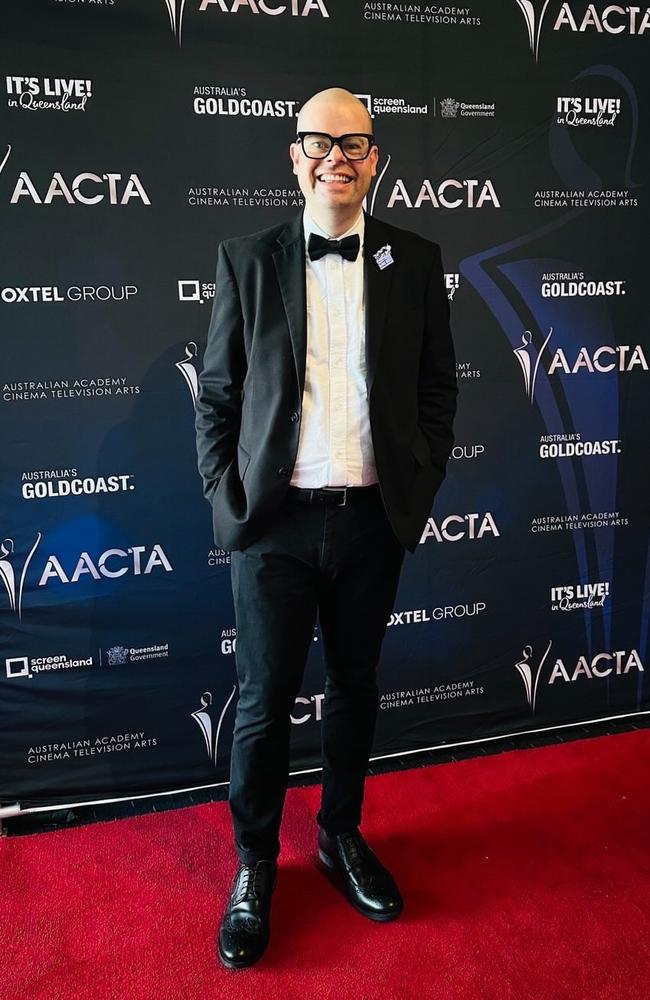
(383, 257)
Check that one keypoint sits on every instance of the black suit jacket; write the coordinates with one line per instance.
(250, 390)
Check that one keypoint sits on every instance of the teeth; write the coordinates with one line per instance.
(335, 177)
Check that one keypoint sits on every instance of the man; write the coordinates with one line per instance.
(324, 425)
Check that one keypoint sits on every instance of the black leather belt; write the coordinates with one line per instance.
(330, 496)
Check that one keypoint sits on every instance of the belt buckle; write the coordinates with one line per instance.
(345, 497)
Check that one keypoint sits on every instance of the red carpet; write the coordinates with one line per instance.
(526, 875)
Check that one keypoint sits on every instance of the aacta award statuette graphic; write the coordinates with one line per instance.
(523, 357)
(175, 11)
(8, 573)
(533, 11)
(187, 368)
(524, 668)
(204, 719)
(5, 158)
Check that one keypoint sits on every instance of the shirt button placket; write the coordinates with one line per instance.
(338, 414)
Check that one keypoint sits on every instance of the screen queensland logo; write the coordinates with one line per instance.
(32, 666)
(582, 18)
(33, 564)
(38, 186)
(393, 105)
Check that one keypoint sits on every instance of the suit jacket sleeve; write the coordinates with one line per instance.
(218, 404)
(437, 384)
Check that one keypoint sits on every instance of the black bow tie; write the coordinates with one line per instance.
(348, 247)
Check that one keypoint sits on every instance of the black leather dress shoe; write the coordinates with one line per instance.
(245, 928)
(356, 871)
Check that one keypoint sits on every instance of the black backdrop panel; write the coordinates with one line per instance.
(136, 135)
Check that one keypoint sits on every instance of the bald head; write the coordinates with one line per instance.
(334, 185)
(334, 100)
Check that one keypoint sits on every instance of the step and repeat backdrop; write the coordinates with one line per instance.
(134, 136)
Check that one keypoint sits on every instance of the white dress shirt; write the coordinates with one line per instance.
(335, 445)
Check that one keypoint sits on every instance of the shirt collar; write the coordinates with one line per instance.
(311, 226)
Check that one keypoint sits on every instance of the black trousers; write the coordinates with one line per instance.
(342, 562)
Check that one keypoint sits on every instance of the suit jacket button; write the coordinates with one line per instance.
(283, 471)
(295, 416)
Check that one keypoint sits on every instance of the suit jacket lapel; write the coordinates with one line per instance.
(378, 283)
(289, 260)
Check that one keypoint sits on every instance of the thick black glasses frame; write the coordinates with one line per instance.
(336, 140)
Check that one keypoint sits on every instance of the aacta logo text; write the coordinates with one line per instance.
(450, 193)
(110, 564)
(460, 526)
(612, 18)
(622, 358)
(84, 189)
(297, 8)
(601, 665)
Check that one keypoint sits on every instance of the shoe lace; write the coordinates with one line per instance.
(247, 882)
(355, 847)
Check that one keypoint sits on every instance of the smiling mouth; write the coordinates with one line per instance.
(334, 179)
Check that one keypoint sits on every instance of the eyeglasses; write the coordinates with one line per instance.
(353, 145)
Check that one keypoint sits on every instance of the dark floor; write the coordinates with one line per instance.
(57, 819)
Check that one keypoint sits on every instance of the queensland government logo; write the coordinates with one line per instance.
(451, 108)
(117, 656)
